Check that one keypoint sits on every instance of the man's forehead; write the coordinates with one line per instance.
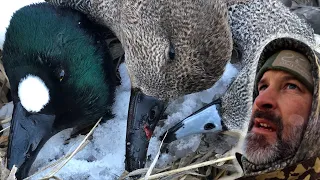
(279, 75)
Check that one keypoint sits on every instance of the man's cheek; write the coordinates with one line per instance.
(296, 120)
(292, 126)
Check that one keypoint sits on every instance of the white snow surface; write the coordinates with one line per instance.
(103, 157)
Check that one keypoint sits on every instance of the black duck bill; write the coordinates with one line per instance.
(28, 133)
(143, 115)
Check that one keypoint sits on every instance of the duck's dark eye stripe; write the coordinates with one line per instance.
(171, 51)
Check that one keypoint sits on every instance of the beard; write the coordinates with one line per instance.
(259, 150)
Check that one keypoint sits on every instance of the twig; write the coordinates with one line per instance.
(12, 175)
(4, 129)
(207, 163)
(4, 73)
(196, 174)
(53, 177)
(153, 164)
(74, 152)
(6, 120)
(219, 174)
(54, 163)
(143, 171)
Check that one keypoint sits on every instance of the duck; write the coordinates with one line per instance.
(61, 75)
(306, 2)
(310, 14)
(307, 10)
(172, 48)
(232, 110)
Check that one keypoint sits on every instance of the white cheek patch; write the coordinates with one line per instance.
(33, 93)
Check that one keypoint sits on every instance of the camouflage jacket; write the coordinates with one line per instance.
(308, 169)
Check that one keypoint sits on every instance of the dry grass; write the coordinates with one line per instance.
(5, 174)
(189, 168)
(202, 164)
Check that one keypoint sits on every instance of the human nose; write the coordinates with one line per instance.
(267, 99)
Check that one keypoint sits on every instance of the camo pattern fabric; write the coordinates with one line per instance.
(307, 170)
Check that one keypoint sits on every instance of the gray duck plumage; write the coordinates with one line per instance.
(172, 48)
(197, 31)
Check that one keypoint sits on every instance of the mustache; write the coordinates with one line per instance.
(269, 116)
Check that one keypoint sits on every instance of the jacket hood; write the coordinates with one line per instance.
(269, 26)
(309, 145)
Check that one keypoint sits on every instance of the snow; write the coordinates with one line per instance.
(103, 157)
(317, 37)
(183, 107)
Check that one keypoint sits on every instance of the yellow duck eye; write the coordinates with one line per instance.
(61, 75)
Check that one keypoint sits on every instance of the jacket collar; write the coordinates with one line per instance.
(306, 169)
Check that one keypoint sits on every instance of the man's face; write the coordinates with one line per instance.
(279, 114)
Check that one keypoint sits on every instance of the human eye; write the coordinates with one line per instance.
(262, 87)
(292, 86)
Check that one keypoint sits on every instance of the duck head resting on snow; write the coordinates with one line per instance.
(172, 48)
(61, 76)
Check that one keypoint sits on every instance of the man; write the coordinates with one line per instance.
(281, 140)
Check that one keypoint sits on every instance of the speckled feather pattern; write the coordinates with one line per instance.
(308, 2)
(198, 29)
(263, 22)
